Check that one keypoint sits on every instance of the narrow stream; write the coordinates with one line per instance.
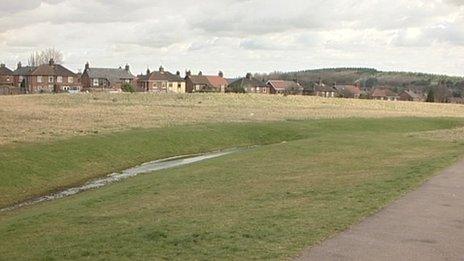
(132, 172)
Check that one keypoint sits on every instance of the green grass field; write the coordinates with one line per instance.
(307, 181)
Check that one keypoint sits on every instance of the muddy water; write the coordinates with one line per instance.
(132, 172)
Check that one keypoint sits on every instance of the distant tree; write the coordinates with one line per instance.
(442, 93)
(44, 56)
(430, 96)
(370, 82)
(127, 87)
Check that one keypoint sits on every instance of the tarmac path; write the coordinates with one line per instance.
(426, 224)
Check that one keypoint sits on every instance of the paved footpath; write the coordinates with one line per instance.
(426, 224)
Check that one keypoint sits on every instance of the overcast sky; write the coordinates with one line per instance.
(239, 35)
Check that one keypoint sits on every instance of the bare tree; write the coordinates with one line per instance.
(44, 56)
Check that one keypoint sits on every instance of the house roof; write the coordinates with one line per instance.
(210, 81)
(412, 94)
(230, 80)
(323, 88)
(161, 76)
(217, 81)
(355, 90)
(111, 74)
(199, 79)
(280, 85)
(24, 70)
(52, 69)
(4, 70)
(381, 92)
(247, 82)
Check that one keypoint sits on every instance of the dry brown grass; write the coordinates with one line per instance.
(42, 117)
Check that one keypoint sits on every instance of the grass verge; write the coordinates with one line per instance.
(266, 203)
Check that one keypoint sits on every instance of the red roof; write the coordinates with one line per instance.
(217, 81)
(280, 85)
(52, 70)
(383, 93)
(353, 89)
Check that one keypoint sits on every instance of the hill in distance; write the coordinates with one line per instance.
(369, 78)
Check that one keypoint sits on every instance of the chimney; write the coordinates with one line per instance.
(148, 71)
(161, 69)
(178, 73)
(248, 76)
(51, 62)
(19, 65)
(2, 65)
(200, 73)
(188, 73)
(87, 66)
(221, 74)
(127, 68)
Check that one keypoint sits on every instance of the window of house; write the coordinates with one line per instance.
(257, 89)
(70, 79)
(95, 82)
(7, 78)
(127, 81)
(179, 85)
(39, 78)
(170, 84)
(50, 78)
(59, 79)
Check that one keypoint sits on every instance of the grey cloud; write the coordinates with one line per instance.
(448, 33)
(196, 33)
(455, 2)
(11, 7)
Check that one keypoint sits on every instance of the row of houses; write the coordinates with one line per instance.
(56, 78)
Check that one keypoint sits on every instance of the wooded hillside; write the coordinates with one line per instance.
(369, 78)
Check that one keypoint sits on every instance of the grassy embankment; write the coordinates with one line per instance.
(268, 202)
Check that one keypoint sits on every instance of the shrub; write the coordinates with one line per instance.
(127, 87)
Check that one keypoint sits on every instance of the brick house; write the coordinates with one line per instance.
(384, 94)
(205, 83)
(322, 90)
(348, 91)
(284, 87)
(410, 96)
(52, 77)
(22, 77)
(105, 79)
(6, 76)
(161, 81)
(248, 84)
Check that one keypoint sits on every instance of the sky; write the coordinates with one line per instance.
(238, 36)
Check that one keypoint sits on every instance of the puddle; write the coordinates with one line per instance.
(132, 172)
